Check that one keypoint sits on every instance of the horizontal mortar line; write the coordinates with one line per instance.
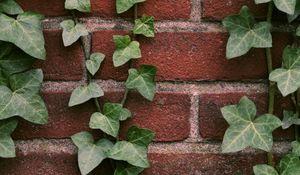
(180, 87)
(66, 146)
(99, 24)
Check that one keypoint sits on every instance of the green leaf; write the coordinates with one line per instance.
(298, 31)
(7, 146)
(109, 122)
(292, 17)
(264, 170)
(10, 7)
(296, 148)
(289, 165)
(84, 93)
(245, 130)
(127, 169)
(80, 5)
(143, 81)
(245, 33)
(90, 154)
(287, 6)
(144, 26)
(289, 119)
(124, 5)
(93, 64)
(25, 32)
(288, 76)
(132, 153)
(140, 136)
(71, 32)
(23, 99)
(126, 50)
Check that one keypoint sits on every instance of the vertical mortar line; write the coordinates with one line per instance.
(196, 10)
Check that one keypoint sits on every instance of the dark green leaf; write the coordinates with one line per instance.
(10, 7)
(124, 5)
(80, 5)
(292, 17)
(296, 148)
(264, 170)
(7, 146)
(140, 136)
(93, 64)
(127, 169)
(245, 130)
(143, 81)
(289, 165)
(245, 33)
(289, 119)
(144, 26)
(72, 32)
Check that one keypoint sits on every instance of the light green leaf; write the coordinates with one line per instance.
(296, 148)
(132, 153)
(126, 50)
(116, 111)
(80, 5)
(10, 7)
(143, 81)
(245, 33)
(127, 169)
(7, 146)
(289, 165)
(71, 32)
(289, 119)
(245, 130)
(124, 5)
(144, 26)
(25, 32)
(106, 124)
(93, 64)
(288, 76)
(140, 136)
(84, 93)
(287, 6)
(90, 154)
(23, 99)
(264, 170)
(294, 16)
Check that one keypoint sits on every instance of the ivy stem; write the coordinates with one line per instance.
(272, 85)
(131, 62)
(294, 97)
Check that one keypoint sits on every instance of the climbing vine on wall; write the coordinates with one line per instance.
(247, 130)
(21, 43)
(126, 156)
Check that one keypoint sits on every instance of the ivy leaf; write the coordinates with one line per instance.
(90, 154)
(287, 6)
(71, 32)
(143, 81)
(27, 25)
(23, 99)
(288, 76)
(140, 136)
(296, 148)
(126, 50)
(132, 153)
(7, 146)
(127, 169)
(80, 5)
(10, 7)
(124, 5)
(289, 119)
(245, 130)
(298, 31)
(109, 121)
(264, 170)
(93, 64)
(289, 165)
(84, 93)
(144, 26)
(292, 17)
(245, 33)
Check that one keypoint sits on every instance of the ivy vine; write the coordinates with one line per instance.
(247, 130)
(129, 156)
(21, 43)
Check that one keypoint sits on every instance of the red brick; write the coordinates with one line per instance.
(160, 9)
(62, 63)
(212, 123)
(203, 163)
(168, 116)
(189, 56)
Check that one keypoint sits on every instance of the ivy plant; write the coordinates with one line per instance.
(245, 129)
(128, 156)
(21, 43)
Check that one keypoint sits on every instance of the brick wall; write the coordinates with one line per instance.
(194, 81)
